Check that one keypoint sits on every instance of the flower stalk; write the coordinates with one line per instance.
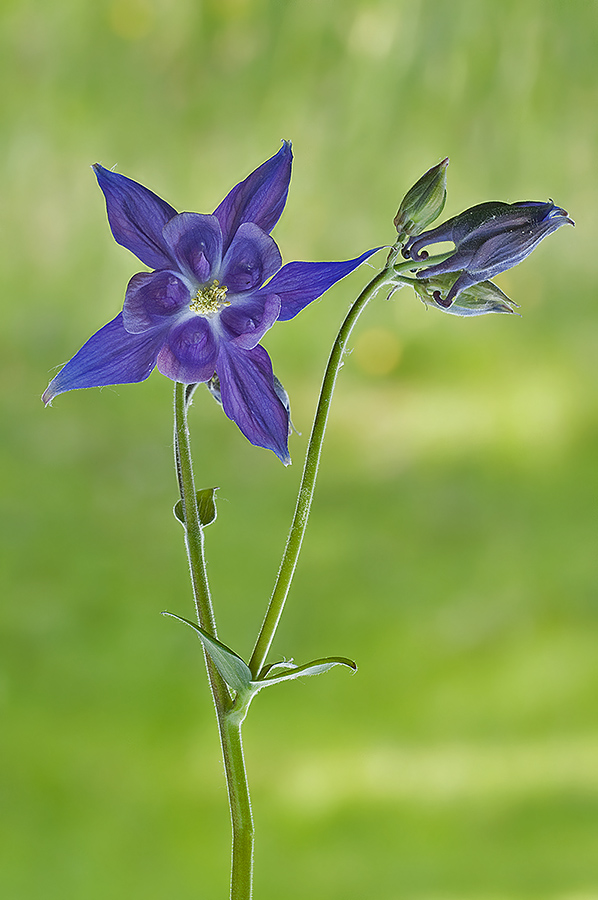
(229, 716)
(310, 472)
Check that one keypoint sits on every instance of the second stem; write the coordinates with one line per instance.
(310, 472)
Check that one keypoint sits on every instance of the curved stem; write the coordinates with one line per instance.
(310, 471)
(230, 718)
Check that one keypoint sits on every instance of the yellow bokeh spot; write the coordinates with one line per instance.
(131, 19)
(377, 351)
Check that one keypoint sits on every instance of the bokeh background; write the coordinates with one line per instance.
(452, 545)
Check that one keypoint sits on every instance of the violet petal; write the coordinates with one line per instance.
(137, 217)
(111, 356)
(247, 320)
(189, 352)
(298, 283)
(251, 259)
(152, 298)
(260, 198)
(195, 241)
(250, 399)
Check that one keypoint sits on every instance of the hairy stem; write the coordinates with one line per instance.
(230, 718)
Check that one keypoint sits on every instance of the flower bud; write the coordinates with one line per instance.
(423, 203)
(482, 298)
(489, 239)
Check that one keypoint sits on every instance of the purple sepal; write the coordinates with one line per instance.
(250, 399)
(137, 217)
(260, 198)
(110, 356)
(298, 283)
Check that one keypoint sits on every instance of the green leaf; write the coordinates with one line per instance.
(233, 669)
(206, 507)
(286, 671)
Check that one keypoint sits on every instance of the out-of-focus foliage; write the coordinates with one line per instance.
(452, 547)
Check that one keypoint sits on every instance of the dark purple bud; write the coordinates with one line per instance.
(489, 238)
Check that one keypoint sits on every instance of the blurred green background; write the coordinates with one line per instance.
(452, 544)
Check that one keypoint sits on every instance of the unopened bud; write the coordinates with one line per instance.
(423, 203)
(489, 239)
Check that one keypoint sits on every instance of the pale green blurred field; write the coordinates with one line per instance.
(452, 550)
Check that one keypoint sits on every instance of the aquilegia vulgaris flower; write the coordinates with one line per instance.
(216, 287)
(489, 238)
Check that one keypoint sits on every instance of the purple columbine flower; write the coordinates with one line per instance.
(216, 287)
(489, 239)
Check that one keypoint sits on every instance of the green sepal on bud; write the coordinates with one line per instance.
(482, 298)
(423, 203)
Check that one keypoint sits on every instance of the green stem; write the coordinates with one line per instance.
(240, 805)
(310, 471)
(229, 714)
(194, 538)
(230, 718)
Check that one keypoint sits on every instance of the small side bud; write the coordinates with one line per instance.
(423, 203)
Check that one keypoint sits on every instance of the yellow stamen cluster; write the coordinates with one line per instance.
(210, 299)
